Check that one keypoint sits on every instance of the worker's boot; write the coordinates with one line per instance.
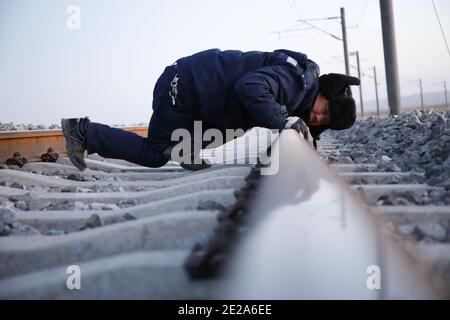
(191, 162)
(75, 132)
(195, 165)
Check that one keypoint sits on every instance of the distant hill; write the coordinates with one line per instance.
(429, 100)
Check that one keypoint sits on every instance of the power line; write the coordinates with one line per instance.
(362, 14)
(344, 32)
(440, 25)
(320, 29)
(305, 6)
(363, 73)
(293, 6)
(292, 29)
(319, 19)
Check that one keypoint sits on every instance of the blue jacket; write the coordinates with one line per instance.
(234, 89)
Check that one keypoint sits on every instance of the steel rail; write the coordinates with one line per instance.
(311, 238)
(32, 144)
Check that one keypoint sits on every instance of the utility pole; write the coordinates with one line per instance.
(445, 91)
(356, 53)
(421, 92)
(344, 40)
(376, 89)
(390, 55)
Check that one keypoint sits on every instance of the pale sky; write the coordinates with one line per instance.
(107, 68)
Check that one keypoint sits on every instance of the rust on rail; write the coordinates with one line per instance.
(32, 144)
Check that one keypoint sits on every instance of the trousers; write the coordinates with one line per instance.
(168, 115)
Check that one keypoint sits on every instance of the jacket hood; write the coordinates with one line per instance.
(298, 56)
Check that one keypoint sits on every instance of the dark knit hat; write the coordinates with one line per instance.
(335, 88)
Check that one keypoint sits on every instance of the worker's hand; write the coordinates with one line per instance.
(297, 124)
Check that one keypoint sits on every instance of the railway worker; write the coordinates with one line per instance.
(225, 90)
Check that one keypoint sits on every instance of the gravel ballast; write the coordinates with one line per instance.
(416, 142)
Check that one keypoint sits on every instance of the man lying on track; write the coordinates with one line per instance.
(225, 90)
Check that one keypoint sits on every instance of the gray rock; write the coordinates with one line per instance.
(55, 189)
(439, 194)
(54, 232)
(6, 204)
(210, 205)
(38, 189)
(7, 216)
(6, 230)
(22, 205)
(126, 203)
(340, 160)
(399, 201)
(94, 221)
(78, 205)
(392, 167)
(17, 185)
(128, 216)
(102, 206)
(23, 230)
(69, 189)
(407, 229)
(434, 231)
(75, 177)
(10, 227)
(96, 189)
(110, 206)
(96, 206)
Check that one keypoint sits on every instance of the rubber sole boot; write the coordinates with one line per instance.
(190, 164)
(195, 167)
(75, 141)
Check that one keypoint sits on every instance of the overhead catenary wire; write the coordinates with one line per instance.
(343, 25)
(440, 25)
(363, 73)
(291, 29)
(320, 29)
(362, 14)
